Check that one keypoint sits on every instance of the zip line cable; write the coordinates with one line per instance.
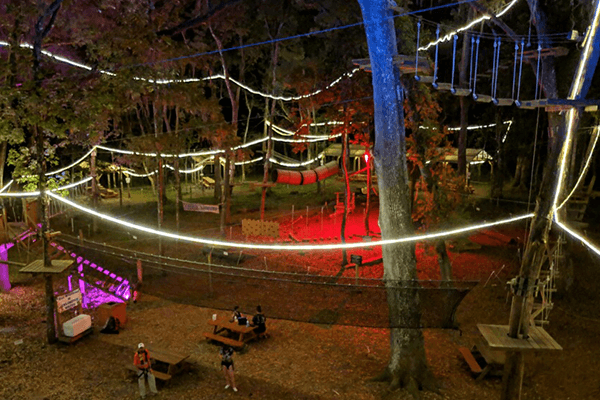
(277, 40)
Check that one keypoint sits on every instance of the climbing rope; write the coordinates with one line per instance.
(497, 68)
(452, 90)
(475, 69)
(417, 55)
(537, 75)
(517, 101)
(435, 65)
(494, 69)
(471, 66)
(515, 69)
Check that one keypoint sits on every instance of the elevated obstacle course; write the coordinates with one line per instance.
(305, 177)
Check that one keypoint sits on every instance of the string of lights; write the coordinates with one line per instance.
(6, 186)
(37, 193)
(219, 76)
(73, 164)
(577, 236)
(585, 167)
(212, 242)
(298, 164)
(447, 37)
(573, 113)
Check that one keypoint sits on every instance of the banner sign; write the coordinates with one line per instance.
(200, 207)
(68, 301)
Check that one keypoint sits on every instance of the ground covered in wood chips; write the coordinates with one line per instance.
(300, 360)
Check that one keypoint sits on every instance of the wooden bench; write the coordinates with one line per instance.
(225, 340)
(157, 374)
(468, 356)
(208, 182)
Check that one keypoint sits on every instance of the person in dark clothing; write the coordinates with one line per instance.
(236, 314)
(226, 353)
(259, 321)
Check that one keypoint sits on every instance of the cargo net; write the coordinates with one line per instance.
(317, 299)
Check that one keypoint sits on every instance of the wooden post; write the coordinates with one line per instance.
(210, 285)
(307, 216)
(120, 188)
(140, 271)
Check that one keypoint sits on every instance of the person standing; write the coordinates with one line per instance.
(226, 353)
(141, 360)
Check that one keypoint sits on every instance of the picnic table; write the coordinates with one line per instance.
(482, 360)
(165, 364)
(241, 333)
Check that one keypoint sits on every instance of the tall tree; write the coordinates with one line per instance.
(407, 365)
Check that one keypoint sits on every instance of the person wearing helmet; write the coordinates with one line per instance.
(141, 360)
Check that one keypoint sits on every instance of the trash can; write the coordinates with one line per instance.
(112, 309)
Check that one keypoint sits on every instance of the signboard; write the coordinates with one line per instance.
(200, 207)
(355, 259)
(68, 301)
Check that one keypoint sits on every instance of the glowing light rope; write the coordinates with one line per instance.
(58, 171)
(190, 80)
(507, 130)
(298, 164)
(287, 132)
(258, 246)
(577, 236)
(6, 186)
(449, 36)
(572, 113)
(37, 193)
(585, 167)
(140, 175)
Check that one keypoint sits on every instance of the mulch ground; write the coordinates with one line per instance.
(301, 360)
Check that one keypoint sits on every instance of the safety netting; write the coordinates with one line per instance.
(318, 299)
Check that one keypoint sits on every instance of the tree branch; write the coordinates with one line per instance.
(484, 10)
(192, 23)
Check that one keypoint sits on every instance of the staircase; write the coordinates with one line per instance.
(93, 274)
(578, 204)
(542, 299)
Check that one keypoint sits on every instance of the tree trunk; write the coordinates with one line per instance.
(161, 205)
(368, 203)
(408, 364)
(3, 148)
(497, 170)
(218, 194)
(150, 178)
(345, 151)
(522, 303)
(464, 103)
(42, 29)
(178, 204)
(95, 194)
(443, 260)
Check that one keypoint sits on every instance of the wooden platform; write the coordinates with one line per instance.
(37, 267)
(497, 339)
(559, 104)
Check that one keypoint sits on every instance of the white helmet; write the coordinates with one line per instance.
(141, 346)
